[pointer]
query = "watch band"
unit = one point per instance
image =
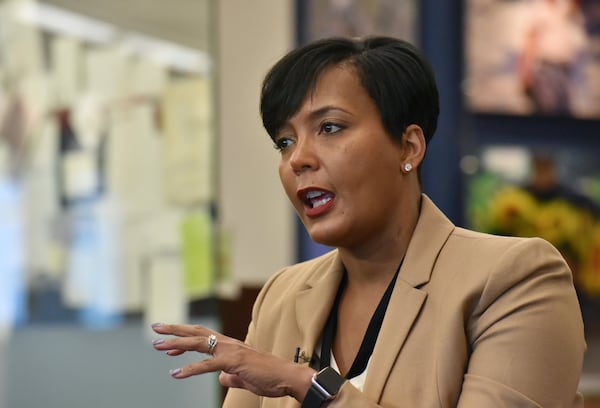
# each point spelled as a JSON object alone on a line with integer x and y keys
{"x": 325, "y": 385}
{"x": 313, "y": 398}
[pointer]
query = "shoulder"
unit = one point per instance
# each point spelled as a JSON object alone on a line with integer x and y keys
{"x": 274, "y": 320}
{"x": 511, "y": 292}
{"x": 493, "y": 248}
{"x": 482, "y": 263}
{"x": 302, "y": 274}
{"x": 298, "y": 277}
{"x": 491, "y": 265}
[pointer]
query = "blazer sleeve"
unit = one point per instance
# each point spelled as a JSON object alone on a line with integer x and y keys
{"x": 526, "y": 333}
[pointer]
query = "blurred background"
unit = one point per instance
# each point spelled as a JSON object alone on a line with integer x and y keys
{"x": 137, "y": 184}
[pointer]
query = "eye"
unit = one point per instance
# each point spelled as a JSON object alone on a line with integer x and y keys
{"x": 330, "y": 128}
{"x": 283, "y": 143}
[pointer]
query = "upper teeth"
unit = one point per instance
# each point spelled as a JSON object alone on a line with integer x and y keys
{"x": 312, "y": 194}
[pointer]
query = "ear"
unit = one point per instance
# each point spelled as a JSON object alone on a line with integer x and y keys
{"x": 413, "y": 146}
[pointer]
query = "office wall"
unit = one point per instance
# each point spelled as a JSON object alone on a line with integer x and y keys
{"x": 254, "y": 209}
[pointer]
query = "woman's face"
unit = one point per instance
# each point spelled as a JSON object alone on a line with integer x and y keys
{"x": 339, "y": 167}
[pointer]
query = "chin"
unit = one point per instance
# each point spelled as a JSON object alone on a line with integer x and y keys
{"x": 327, "y": 238}
{"x": 327, "y": 230}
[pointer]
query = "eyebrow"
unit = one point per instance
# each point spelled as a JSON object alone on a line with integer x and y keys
{"x": 325, "y": 110}
{"x": 316, "y": 114}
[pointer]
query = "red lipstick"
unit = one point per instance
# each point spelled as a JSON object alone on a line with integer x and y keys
{"x": 316, "y": 201}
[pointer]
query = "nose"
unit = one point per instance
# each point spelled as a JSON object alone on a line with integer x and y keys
{"x": 304, "y": 155}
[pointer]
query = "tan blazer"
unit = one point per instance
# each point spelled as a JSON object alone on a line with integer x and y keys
{"x": 475, "y": 320}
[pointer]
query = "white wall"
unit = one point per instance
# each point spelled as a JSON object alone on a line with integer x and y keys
{"x": 252, "y": 35}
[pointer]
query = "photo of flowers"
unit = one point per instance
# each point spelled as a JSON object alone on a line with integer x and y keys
{"x": 554, "y": 195}
{"x": 533, "y": 57}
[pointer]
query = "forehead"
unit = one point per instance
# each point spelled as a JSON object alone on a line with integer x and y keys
{"x": 338, "y": 86}
{"x": 336, "y": 79}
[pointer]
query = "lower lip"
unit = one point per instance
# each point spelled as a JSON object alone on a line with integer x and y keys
{"x": 320, "y": 210}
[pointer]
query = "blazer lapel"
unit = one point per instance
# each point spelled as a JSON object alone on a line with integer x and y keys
{"x": 405, "y": 304}
{"x": 430, "y": 235}
{"x": 314, "y": 303}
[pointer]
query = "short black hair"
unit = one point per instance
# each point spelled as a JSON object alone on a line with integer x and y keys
{"x": 395, "y": 74}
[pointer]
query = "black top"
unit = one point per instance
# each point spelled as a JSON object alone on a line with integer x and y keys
{"x": 370, "y": 338}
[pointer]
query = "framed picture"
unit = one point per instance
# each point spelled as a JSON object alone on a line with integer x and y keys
{"x": 356, "y": 18}
{"x": 533, "y": 57}
{"x": 551, "y": 194}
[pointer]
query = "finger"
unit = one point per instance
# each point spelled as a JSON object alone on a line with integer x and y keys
{"x": 198, "y": 343}
{"x": 230, "y": 380}
{"x": 169, "y": 352}
{"x": 181, "y": 330}
{"x": 174, "y": 353}
{"x": 199, "y": 367}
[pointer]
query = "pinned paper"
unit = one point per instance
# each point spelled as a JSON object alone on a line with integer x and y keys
{"x": 21, "y": 42}
{"x": 67, "y": 72}
{"x": 148, "y": 78}
{"x": 165, "y": 299}
{"x": 107, "y": 73}
{"x": 12, "y": 257}
{"x": 198, "y": 254}
{"x": 189, "y": 141}
{"x": 133, "y": 160}
{"x": 41, "y": 204}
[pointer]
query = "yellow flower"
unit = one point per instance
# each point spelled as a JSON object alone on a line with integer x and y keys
{"x": 558, "y": 222}
{"x": 588, "y": 275}
{"x": 573, "y": 230}
{"x": 511, "y": 211}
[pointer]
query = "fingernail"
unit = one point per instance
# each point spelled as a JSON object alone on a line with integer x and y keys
{"x": 174, "y": 372}
{"x": 158, "y": 341}
{"x": 156, "y": 325}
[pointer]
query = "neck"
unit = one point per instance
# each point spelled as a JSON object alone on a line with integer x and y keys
{"x": 376, "y": 263}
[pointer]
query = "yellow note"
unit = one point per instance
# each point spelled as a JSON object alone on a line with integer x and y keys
{"x": 198, "y": 254}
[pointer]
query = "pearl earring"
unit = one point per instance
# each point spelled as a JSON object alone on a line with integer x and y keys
{"x": 407, "y": 167}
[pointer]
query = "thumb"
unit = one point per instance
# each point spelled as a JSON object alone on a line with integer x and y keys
{"x": 230, "y": 380}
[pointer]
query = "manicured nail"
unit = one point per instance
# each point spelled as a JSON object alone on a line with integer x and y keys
{"x": 153, "y": 325}
{"x": 174, "y": 372}
{"x": 158, "y": 341}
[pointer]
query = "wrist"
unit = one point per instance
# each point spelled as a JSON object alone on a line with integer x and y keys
{"x": 323, "y": 389}
{"x": 301, "y": 380}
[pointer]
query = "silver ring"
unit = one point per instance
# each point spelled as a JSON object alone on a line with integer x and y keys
{"x": 212, "y": 343}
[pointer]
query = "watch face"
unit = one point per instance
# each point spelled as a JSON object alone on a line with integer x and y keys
{"x": 330, "y": 380}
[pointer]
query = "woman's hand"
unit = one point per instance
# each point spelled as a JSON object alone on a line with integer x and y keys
{"x": 241, "y": 366}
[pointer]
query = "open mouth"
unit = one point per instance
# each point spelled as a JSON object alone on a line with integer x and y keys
{"x": 316, "y": 198}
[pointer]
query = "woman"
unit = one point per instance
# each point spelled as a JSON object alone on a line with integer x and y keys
{"x": 408, "y": 310}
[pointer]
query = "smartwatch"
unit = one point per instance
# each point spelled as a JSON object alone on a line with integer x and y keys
{"x": 324, "y": 386}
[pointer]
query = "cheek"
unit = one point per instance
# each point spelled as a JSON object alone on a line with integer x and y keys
{"x": 371, "y": 177}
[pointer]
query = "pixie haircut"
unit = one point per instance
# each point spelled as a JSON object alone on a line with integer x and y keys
{"x": 394, "y": 73}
